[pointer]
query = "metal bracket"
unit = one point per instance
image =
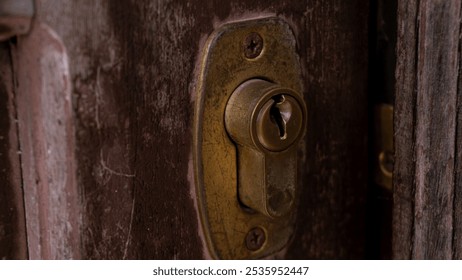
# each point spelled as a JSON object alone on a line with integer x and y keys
{"x": 235, "y": 53}
{"x": 384, "y": 151}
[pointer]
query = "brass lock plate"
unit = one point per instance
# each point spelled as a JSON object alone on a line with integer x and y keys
{"x": 237, "y": 52}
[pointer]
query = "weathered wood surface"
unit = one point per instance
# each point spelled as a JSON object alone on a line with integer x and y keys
{"x": 333, "y": 44}
{"x": 13, "y": 243}
{"x": 46, "y": 140}
{"x": 132, "y": 69}
{"x": 427, "y": 195}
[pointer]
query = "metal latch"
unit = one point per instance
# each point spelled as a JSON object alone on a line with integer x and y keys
{"x": 15, "y": 17}
{"x": 384, "y": 150}
{"x": 250, "y": 116}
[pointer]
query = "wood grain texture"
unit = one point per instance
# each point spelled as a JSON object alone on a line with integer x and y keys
{"x": 133, "y": 62}
{"x": 333, "y": 47}
{"x": 425, "y": 129}
{"x": 132, "y": 68}
{"x": 457, "y": 222}
{"x": 405, "y": 101}
{"x": 46, "y": 140}
{"x": 13, "y": 243}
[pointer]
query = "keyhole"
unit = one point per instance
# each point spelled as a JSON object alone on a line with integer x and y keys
{"x": 253, "y": 46}
{"x": 276, "y": 116}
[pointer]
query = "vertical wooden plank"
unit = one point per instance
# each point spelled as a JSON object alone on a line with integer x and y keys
{"x": 334, "y": 45}
{"x": 438, "y": 68}
{"x": 405, "y": 102}
{"x": 425, "y": 128}
{"x": 457, "y": 222}
{"x": 13, "y": 243}
{"x": 132, "y": 67}
{"x": 46, "y": 139}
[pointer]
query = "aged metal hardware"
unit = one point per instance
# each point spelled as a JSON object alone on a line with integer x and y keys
{"x": 255, "y": 57}
{"x": 265, "y": 121}
{"x": 384, "y": 146}
{"x": 15, "y": 17}
{"x": 253, "y": 45}
{"x": 255, "y": 239}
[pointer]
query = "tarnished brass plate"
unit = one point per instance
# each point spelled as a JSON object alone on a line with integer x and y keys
{"x": 233, "y": 232}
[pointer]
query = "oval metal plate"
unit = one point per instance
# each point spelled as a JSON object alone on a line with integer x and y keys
{"x": 224, "y": 66}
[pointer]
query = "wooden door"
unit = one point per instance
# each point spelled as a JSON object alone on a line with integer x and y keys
{"x": 96, "y": 138}
{"x": 427, "y": 196}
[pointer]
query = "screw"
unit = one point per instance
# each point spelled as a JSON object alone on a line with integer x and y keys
{"x": 255, "y": 239}
{"x": 253, "y": 45}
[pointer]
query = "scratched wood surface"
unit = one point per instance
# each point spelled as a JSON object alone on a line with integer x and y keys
{"x": 132, "y": 67}
{"x": 45, "y": 125}
{"x": 427, "y": 196}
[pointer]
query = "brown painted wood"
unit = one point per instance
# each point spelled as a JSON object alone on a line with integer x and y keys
{"x": 333, "y": 48}
{"x": 426, "y": 196}
{"x": 132, "y": 70}
{"x": 13, "y": 243}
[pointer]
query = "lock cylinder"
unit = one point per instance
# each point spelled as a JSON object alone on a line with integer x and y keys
{"x": 266, "y": 122}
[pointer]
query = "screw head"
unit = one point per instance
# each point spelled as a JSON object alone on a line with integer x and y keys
{"x": 255, "y": 239}
{"x": 253, "y": 45}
